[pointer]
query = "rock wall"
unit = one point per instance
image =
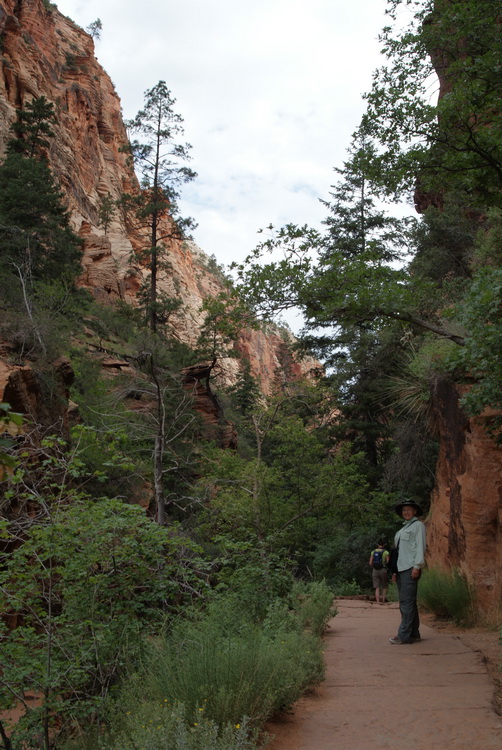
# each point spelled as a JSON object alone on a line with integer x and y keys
{"x": 465, "y": 521}
{"x": 45, "y": 53}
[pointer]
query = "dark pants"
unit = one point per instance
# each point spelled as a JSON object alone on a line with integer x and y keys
{"x": 410, "y": 622}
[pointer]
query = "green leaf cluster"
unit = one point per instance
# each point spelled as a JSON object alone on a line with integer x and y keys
{"x": 84, "y": 589}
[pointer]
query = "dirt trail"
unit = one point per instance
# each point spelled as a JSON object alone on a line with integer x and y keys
{"x": 431, "y": 695}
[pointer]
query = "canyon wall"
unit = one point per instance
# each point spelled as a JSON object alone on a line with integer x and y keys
{"x": 465, "y": 521}
{"x": 45, "y": 53}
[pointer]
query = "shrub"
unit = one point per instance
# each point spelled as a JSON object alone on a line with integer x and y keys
{"x": 86, "y": 587}
{"x": 162, "y": 726}
{"x": 313, "y": 605}
{"x": 346, "y": 588}
{"x": 221, "y": 667}
{"x": 447, "y": 594}
{"x": 251, "y": 672}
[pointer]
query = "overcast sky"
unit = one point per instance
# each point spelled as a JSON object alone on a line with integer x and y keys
{"x": 270, "y": 91}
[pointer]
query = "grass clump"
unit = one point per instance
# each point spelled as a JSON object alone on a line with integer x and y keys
{"x": 448, "y": 595}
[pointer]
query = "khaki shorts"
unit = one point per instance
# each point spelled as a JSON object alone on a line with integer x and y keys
{"x": 380, "y": 578}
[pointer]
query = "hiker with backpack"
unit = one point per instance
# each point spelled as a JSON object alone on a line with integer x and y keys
{"x": 379, "y": 575}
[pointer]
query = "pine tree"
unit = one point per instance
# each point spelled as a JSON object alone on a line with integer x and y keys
{"x": 158, "y": 159}
{"x": 37, "y": 244}
{"x": 35, "y": 231}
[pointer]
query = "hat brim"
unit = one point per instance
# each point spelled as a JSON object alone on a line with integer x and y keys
{"x": 399, "y": 508}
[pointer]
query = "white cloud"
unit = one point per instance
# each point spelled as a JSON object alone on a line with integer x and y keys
{"x": 270, "y": 91}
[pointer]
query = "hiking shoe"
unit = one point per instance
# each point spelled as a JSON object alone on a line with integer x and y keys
{"x": 396, "y": 640}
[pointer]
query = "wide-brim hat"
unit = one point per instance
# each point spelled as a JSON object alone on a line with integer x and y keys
{"x": 399, "y": 507}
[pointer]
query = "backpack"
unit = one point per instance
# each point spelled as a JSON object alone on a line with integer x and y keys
{"x": 378, "y": 559}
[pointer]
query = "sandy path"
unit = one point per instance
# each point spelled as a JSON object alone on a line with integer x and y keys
{"x": 431, "y": 695}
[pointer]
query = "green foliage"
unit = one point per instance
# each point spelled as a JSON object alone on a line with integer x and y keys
{"x": 217, "y": 675}
{"x": 157, "y": 157}
{"x": 454, "y": 144}
{"x": 160, "y": 726}
{"x": 246, "y": 392}
{"x": 95, "y": 28}
{"x": 106, "y": 211}
{"x": 480, "y": 313}
{"x": 40, "y": 256}
{"x": 341, "y": 557}
{"x": 355, "y": 223}
{"x": 410, "y": 466}
{"x": 36, "y": 237}
{"x": 347, "y": 588}
{"x": 313, "y": 483}
{"x": 409, "y": 391}
{"x": 358, "y": 283}
{"x": 488, "y": 246}
{"x": 312, "y": 604}
{"x": 33, "y": 128}
{"x": 232, "y": 668}
{"x": 77, "y": 585}
{"x": 277, "y": 492}
{"x": 224, "y": 318}
{"x": 115, "y": 325}
{"x": 444, "y": 240}
{"x": 447, "y": 594}
{"x": 249, "y": 575}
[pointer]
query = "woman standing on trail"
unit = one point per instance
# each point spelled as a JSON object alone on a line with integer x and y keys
{"x": 410, "y": 541}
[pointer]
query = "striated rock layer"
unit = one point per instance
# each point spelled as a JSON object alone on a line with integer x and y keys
{"x": 465, "y": 523}
{"x": 45, "y": 53}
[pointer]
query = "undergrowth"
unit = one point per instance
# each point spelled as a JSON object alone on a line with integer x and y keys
{"x": 448, "y": 595}
{"x": 213, "y": 680}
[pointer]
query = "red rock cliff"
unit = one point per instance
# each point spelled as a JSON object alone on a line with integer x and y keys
{"x": 465, "y": 522}
{"x": 45, "y": 53}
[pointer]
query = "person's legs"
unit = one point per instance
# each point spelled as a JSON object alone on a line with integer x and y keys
{"x": 384, "y": 584}
{"x": 376, "y": 585}
{"x": 408, "y": 587}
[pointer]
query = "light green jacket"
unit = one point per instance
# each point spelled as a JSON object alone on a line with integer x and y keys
{"x": 411, "y": 538}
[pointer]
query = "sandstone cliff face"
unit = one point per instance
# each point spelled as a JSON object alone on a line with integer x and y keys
{"x": 465, "y": 523}
{"x": 45, "y": 53}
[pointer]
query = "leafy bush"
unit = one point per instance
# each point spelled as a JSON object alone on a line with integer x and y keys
{"x": 447, "y": 594}
{"x": 163, "y": 726}
{"x": 347, "y": 588}
{"x": 85, "y": 588}
{"x": 221, "y": 668}
{"x": 251, "y": 576}
{"x": 217, "y": 676}
{"x": 312, "y": 605}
